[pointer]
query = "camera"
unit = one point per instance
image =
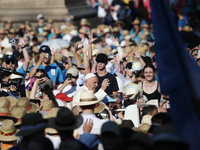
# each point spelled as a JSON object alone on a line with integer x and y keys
{"x": 13, "y": 41}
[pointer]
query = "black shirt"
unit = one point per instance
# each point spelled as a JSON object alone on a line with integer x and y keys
{"x": 113, "y": 86}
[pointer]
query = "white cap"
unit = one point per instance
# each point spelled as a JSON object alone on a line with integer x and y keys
{"x": 40, "y": 16}
{"x": 89, "y": 75}
{"x": 15, "y": 76}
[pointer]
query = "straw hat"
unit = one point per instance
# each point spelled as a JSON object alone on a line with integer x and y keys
{"x": 142, "y": 49}
{"x": 65, "y": 120}
{"x": 29, "y": 106}
{"x": 18, "y": 112}
{"x": 119, "y": 23}
{"x": 82, "y": 31}
{"x": 145, "y": 26}
{"x": 143, "y": 128}
{"x": 127, "y": 49}
{"x": 58, "y": 58}
{"x": 132, "y": 90}
{"x": 8, "y": 131}
{"x": 4, "y": 102}
{"x": 12, "y": 100}
{"x": 88, "y": 98}
{"x": 136, "y": 22}
{"x": 47, "y": 105}
{"x": 187, "y": 28}
{"x": 146, "y": 119}
{"x": 5, "y": 114}
{"x": 136, "y": 65}
{"x": 51, "y": 114}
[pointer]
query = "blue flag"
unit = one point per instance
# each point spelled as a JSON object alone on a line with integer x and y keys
{"x": 179, "y": 74}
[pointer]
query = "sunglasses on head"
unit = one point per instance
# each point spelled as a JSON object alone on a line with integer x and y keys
{"x": 10, "y": 61}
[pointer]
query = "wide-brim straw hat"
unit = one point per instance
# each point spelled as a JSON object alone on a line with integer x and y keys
{"x": 143, "y": 128}
{"x": 132, "y": 90}
{"x": 51, "y": 114}
{"x": 12, "y": 100}
{"x": 119, "y": 22}
{"x": 136, "y": 22}
{"x": 29, "y": 106}
{"x": 4, "y": 102}
{"x": 65, "y": 120}
{"x": 136, "y": 65}
{"x": 47, "y": 105}
{"x": 18, "y": 112}
{"x": 5, "y": 114}
{"x": 8, "y": 131}
{"x": 142, "y": 49}
{"x": 88, "y": 98}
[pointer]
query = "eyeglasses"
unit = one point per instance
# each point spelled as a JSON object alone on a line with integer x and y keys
{"x": 10, "y": 61}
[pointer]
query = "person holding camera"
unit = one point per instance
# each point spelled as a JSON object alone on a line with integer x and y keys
{"x": 53, "y": 71}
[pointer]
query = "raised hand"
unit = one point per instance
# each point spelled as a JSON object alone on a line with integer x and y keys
{"x": 52, "y": 52}
{"x": 64, "y": 52}
{"x": 115, "y": 41}
{"x": 91, "y": 39}
{"x": 41, "y": 57}
{"x": 105, "y": 84}
{"x": 86, "y": 47}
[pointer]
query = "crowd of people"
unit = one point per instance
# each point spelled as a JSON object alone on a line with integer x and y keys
{"x": 100, "y": 91}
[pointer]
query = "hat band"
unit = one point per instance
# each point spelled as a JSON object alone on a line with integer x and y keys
{"x": 31, "y": 127}
{"x": 29, "y": 107}
{"x": 133, "y": 88}
{"x": 7, "y": 133}
{"x": 86, "y": 100}
{"x": 19, "y": 120}
{"x": 45, "y": 109}
{"x": 4, "y": 114}
{"x": 9, "y": 105}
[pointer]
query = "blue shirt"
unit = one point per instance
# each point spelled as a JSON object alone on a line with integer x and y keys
{"x": 54, "y": 73}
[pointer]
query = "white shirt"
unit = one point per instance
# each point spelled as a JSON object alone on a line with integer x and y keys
{"x": 69, "y": 90}
{"x": 55, "y": 141}
{"x": 97, "y": 123}
{"x": 100, "y": 94}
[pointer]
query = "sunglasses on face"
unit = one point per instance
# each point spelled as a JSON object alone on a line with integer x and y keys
{"x": 10, "y": 61}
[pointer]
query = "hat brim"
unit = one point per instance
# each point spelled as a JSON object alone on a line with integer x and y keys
{"x": 98, "y": 109}
{"x": 9, "y": 138}
{"x": 33, "y": 109}
{"x": 78, "y": 122}
{"x": 9, "y": 117}
{"x": 25, "y": 133}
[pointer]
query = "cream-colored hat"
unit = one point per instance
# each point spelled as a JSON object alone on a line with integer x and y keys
{"x": 136, "y": 65}
{"x": 4, "y": 102}
{"x": 142, "y": 49}
{"x": 88, "y": 98}
{"x": 8, "y": 131}
{"x": 12, "y": 100}
{"x": 132, "y": 90}
{"x": 51, "y": 114}
{"x": 146, "y": 119}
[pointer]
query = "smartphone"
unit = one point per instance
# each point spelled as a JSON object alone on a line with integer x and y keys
{"x": 35, "y": 101}
{"x": 69, "y": 75}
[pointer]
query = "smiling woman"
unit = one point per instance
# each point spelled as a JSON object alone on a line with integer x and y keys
{"x": 151, "y": 88}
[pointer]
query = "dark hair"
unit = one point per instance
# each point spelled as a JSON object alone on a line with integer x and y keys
{"x": 151, "y": 49}
{"x": 50, "y": 94}
{"x": 148, "y": 109}
{"x": 43, "y": 142}
{"x": 150, "y": 66}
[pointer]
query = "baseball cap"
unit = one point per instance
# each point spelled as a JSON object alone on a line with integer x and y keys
{"x": 73, "y": 71}
{"x": 11, "y": 58}
{"x": 63, "y": 97}
{"x": 102, "y": 57}
{"x": 45, "y": 49}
